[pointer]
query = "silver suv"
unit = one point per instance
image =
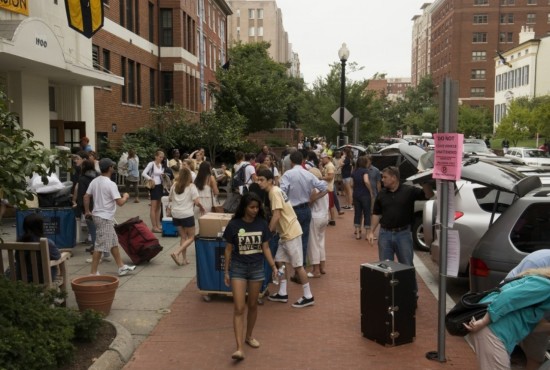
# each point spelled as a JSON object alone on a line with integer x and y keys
{"x": 522, "y": 229}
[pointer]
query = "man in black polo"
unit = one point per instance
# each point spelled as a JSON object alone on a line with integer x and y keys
{"x": 394, "y": 211}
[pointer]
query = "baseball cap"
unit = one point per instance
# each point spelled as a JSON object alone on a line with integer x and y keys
{"x": 105, "y": 163}
{"x": 324, "y": 155}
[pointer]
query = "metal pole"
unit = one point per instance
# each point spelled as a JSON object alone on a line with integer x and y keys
{"x": 342, "y": 103}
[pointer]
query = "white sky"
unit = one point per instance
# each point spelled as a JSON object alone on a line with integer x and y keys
{"x": 377, "y": 33}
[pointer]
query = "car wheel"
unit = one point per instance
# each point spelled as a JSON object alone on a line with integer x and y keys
{"x": 418, "y": 234}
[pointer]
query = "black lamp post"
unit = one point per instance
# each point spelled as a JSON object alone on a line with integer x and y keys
{"x": 343, "y": 54}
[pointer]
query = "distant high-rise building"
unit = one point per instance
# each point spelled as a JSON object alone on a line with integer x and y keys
{"x": 261, "y": 20}
{"x": 390, "y": 88}
{"x": 420, "y": 53}
{"x": 465, "y": 36}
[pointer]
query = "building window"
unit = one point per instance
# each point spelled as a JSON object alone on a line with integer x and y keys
{"x": 479, "y": 55}
{"x": 166, "y": 27}
{"x": 260, "y": 14}
{"x": 51, "y": 98}
{"x": 152, "y": 101}
{"x": 507, "y": 18}
{"x": 251, "y": 31}
{"x": 251, "y": 13}
{"x": 531, "y": 18}
{"x": 507, "y": 2}
{"x": 260, "y": 31}
{"x": 151, "y": 15}
{"x": 506, "y": 37}
{"x": 129, "y": 15}
{"x": 480, "y": 18}
{"x": 479, "y": 37}
{"x": 238, "y": 13}
{"x": 123, "y": 75}
{"x": 548, "y": 21}
{"x": 477, "y": 92}
{"x": 95, "y": 56}
{"x": 478, "y": 74}
{"x": 167, "y": 88}
{"x": 531, "y": 2}
{"x": 106, "y": 54}
{"x": 481, "y": 2}
{"x": 131, "y": 82}
{"x": 525, "y": 73}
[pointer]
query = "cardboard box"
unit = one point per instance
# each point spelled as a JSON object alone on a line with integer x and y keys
{"x": 210, "y": 224}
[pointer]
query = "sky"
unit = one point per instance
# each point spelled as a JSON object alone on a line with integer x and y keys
{"x": 377, "y": 34}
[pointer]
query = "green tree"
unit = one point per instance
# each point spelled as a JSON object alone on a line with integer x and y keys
{"x": 515, "y": 125}
{"x": 21, "y": 157}
{"x": 255, "y": 85}
{"x": 474, "y": 121}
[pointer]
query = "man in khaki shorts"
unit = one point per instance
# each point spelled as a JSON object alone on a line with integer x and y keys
{"x": 285, "y": 222}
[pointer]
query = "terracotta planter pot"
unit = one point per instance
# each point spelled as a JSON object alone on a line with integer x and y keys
{"x": 95, "y": 292}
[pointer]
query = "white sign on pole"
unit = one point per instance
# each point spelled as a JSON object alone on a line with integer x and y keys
{"x": 347, "y": 115}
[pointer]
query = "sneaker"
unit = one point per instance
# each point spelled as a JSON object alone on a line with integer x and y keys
{"x": 125, "y": 269}
{"x": 278, "y": 298}
{"x": 304, "y": 302}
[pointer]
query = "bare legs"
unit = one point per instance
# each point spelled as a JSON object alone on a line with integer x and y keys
{"x": 154, "y": 213}
{"x": 240, "y": 301}
{"x": 348, "y": 193}
{"x": 187, "y": 235}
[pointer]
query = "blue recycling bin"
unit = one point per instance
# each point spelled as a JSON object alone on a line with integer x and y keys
{"x": 210, "y": 255}
{"x": 59, "y": 224}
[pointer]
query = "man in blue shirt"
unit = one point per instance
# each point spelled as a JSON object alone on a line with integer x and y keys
{"x": 298, "y": 183}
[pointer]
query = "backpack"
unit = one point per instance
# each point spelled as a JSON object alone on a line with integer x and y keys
{"x": 239, "y": 178}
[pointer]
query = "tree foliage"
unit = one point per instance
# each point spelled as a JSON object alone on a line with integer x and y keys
{"x": 474, "y": 121}
{"x": 515, "y": 125}
{"x": 21, "y": 156}
{"x": 255, "y": 85}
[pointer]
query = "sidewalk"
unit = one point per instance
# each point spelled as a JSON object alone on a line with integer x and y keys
{"x": 172, "y": 326}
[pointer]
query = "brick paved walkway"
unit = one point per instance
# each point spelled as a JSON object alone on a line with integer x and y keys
{"x": 199, "y": 335}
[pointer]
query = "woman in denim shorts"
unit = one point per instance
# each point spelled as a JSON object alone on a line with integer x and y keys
{"x": 247, "y": 236}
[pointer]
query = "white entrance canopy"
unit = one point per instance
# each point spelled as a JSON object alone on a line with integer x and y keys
{"x": 30, "y": 46}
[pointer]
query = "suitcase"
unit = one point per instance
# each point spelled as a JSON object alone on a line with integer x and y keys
{"x": 388, "y": 302}
{"x": 138, "y": 241}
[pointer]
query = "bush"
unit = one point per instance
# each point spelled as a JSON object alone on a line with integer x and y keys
{"x": 34, "y": 332}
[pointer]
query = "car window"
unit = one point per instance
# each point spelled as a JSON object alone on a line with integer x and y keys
{"x": 532, "y": 229}
{"x": 486, "y": 198}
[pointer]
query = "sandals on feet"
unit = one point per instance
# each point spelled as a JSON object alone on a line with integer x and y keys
{"x": 175, "y": 258}
{"x": 238, "y": 355}
{"x": 252, "y": 343}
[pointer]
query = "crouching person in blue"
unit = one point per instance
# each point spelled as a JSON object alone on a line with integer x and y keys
{"x": 513, "y": 313}
{"x": 247, "y": 236}
{"x": 33, "y": 230}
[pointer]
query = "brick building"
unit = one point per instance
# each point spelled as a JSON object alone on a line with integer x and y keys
{"x": 465, "y": 35}
{"x": 391, "y": 88}
{"x": 166, "y": 50}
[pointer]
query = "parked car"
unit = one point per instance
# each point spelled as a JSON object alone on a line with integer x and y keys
{"x": 476, "y": 147}
{"x": 486, "y": 189}
{"x": 522, "y": 229}
{"x": 530, "y": 156}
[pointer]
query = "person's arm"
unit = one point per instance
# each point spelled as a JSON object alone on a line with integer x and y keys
{"x": 121, "y": 201}
{"x": 54, "y": 251}
{"x": 75, "y": 195}
{"x": 428, "y": 190}
{"x": 147, "y": 170}
{"x": 86, "y": 199}
{"x": 227, "y": 254}
{"x": 276, "y": 215}
{"x": 542, "y": 327}
{"x": 214, "y": 185}
{"x": 374, "y": 221}
{"x": 198, "y": 204}
{"x": 366, "y": 180}
{"x": 329, "y": 177}
{"x": 476, "y": 325}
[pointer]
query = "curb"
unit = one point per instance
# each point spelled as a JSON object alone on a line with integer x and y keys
{"x": 119, "y": 353}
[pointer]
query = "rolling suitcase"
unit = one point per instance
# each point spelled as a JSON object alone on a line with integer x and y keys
{"x": 138, "y": 241}
{"x": 388, "y": 302}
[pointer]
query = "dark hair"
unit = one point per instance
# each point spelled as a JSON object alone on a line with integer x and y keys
{"x": 362, "y": 162}
{"x": 87, "y": 165}
{"x": 296, "y": 157}
{"x": 312, "y": 157}
{"x": 203, "y": 176}
{"x": 131, "y": 153}
{"x": 249, "y": 156}
{"x": 245, "y": 201}
{"x": 33, "y": 227}
{"x": 239, "y": 156}
{"x": 265, "y": 172}
{"x": 392, "y": 171}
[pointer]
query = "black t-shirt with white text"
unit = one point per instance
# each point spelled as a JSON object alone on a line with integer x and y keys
{"x": 247, "y": 239}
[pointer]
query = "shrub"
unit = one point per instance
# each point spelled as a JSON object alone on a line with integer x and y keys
{"x": 34, "y": 332}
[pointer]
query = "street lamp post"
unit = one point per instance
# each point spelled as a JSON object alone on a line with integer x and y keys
{"x": 343, "y": 54}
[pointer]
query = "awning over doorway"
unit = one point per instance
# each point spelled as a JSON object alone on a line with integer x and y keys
{"x": 31, "y": 46}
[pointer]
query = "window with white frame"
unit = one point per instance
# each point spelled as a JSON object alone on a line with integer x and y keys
{"x": 260, "y": 14}
{"x": 481, "y": 2}
{"x": 251, "y": 13}
{"x": 480, "y": 18}
{"x": 251, "y": 31}
{"x": 478, "y": 74}
{"x": 479, "y": 37}
{"x": 531, "y": 18}
{"x": 477, "y": 92}
{"x": 260, "y": 31}
{"x": 531, "y": 2}
{"x": 479, "y": 56}
{"x": 238, "y": 13}
{"x": 507, "y": 18}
